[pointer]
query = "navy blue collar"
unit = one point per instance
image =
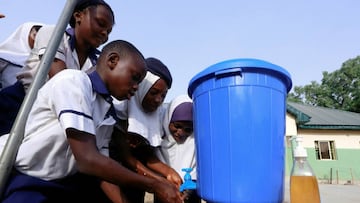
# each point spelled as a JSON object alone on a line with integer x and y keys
{"x": 98, "y": 85}
{"x": 93, "y": 55}
{"x": 100, "y": 88}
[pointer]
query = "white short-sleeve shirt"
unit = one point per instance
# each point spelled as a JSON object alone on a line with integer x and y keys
{"x": 65, "y": 52}
{"x": 71, "y": 99}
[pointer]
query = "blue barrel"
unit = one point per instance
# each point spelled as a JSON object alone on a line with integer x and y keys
{"x": 239, "y": 126}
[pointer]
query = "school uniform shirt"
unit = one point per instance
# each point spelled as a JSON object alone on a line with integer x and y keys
{"x": 65, "y": 52}
{"x": 13, "y": 53}
{"x": 178, "y": 156}
{"x": 146, "y": 124}
{"x": 71, "y": 99}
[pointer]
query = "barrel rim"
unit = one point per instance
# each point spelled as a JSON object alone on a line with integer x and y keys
{"x": 246, "y": 64}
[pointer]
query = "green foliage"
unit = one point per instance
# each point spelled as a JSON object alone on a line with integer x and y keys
{"x": 339, "y": 89}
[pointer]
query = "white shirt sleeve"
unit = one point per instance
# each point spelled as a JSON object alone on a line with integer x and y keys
{"x": 42, "y": 41}
{"x": 72, "y": 102}
{"x": 27, "y": 75}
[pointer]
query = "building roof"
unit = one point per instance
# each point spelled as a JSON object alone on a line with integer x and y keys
{"x": 315, "y": 117}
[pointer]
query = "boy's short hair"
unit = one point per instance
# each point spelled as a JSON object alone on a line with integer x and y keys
{"x": 122, "y": 47}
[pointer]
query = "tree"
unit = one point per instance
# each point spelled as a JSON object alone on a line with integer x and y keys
{"x": 339, "y": 89}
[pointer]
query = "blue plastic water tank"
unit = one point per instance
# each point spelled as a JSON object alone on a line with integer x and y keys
{"x": 239, "y": 126}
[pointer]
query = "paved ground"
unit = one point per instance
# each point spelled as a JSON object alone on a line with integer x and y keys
{"x": 328, "y": 193}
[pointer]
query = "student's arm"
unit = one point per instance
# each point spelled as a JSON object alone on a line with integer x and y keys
{"x": 90, "y": 161}
{"x": 137, "y": 166}
{"x": 120, "y": 151}
{"x": 113, "y": 192}
{"x": 142, "y": 148}
{"x": 124, "y": 155}
{"x": 41, "y": 43}
{"x": 155, "y": 164}
{"x": 57, "y": 66}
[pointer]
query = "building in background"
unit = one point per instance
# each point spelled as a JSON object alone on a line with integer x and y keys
{"x": 331, "y": 138}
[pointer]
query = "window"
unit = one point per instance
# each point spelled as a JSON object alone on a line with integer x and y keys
{"x": 325, "y": 150}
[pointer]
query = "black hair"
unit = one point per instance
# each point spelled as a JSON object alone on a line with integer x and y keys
{"x": 124, "y": 48}
{"x": 36, "y": 27}
{"x": 83, "y": 4}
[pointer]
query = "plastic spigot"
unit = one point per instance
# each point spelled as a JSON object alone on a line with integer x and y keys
{"x": 188, "y": 183}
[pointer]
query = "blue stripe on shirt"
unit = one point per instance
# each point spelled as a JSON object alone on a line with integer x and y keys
{"x": 75, "y": 112}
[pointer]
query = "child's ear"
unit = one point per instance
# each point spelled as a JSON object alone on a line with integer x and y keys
{"x": 113, "y": 59}
{"x": 78, "y": 17}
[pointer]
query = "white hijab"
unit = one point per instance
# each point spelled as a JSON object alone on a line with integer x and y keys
{"x": 146, "y": 124}
{"x": 178, "y": 156}
{"x": 15, "y": 48}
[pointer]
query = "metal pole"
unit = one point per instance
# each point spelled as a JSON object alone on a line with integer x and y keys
{"x": 16, "y": 136}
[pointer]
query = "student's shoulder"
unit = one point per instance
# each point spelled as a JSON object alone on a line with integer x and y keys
{"x": 45, "y": 32}
{"x": 71, "y": 73}
{"x": 46, "y": 28}
{"x": 70, "y": 77}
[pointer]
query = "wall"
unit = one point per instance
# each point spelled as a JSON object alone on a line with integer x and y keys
{"x": 346, "y": 168}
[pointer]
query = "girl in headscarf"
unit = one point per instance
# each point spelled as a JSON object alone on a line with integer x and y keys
{"x": 143, "y": 131}
{"x": 178, "y": 147}
{"x": 15, "y": 50}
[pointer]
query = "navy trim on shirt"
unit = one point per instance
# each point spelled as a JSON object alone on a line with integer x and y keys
{"x": 75, "y": 112}
{"x": 93, "y": 55}
{"x": 100, "y": 88}
{"x": 98, "y": 85}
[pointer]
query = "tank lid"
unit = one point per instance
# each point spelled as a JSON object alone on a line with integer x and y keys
{"x": 244, "y": 64}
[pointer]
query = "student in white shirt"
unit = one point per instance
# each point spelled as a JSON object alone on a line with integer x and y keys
{"x": 64, "y": 154}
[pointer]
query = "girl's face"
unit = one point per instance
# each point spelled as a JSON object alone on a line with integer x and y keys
{"x": 93, "y": 26}
{"x": 155, "y": 96}
{"x": 181, "y": 130}
{"x": 31, "y": 37}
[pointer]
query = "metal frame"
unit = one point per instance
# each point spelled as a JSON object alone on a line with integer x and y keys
{"x": 16, "y": 135}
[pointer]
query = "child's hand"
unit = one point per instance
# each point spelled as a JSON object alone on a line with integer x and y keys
{"x": 186, "y": 194}
{"x": 167, "y": 192}
{"x": 174, "y": 178}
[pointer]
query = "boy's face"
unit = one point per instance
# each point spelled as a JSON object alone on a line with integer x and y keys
{"x": 125, "y": 77}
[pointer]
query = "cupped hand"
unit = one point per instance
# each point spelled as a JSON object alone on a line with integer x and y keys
{"x": 168, "y": 193}
{"x": 175, "y": 179}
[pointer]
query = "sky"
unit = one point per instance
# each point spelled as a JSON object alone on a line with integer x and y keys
{"x": 303, "y": 37}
